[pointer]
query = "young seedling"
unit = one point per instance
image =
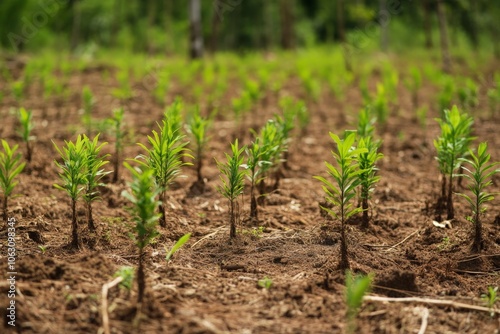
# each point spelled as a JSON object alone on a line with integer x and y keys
{"x": 254, "y": 166}
{"x": 413, "y": 84}
{"x": 479, "y": 174}
{"x": 380, "y": 106}
{"x": 233, "y": 182}
{"x": 143, "y": 193}
{"x": 165, "y": 158}
{"x": 10, "y": 167}
{"x": 356, "y": 288}
{"x": 26, "y": 121}
{"x": 367, "y": 162}
{"x": 452, "y": 145}
{"x": 491, "y": 298}
{"x": 88, "y": 102}
{"x": 73, "y": 175}
{"x": 94, "y": 164}
{"x": 265, "y": 283}
{"x": 197, "y": 127}
{"x": 119, "y": 134}
{"x": 340, "y": 192}
{"x": 468, "y": 94}
{"x": 445, "y": 96}
{"x": 185, "y": 238}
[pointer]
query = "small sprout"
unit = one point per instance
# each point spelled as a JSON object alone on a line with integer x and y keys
{"x": 340, "y": 192}
{"x": 142, "y": 195}
{"x": 452, "y": 146}
{"x": 197, "y": 127}
{"x": 127, "y": 275}
{"x": 10, "y": 167}
{"x": 74, "y": 177}
{"x": 94, "y": 163}
{"x": 490, "y": 298}
{"x": 42, "y": 248}
{"x": 164, "y": 157}
{"x": 119, "y": 134}
{"x": 26, "y": 121}
{"x": 233, "y": 182}
{"x": 265, "y": 283}
{"x": 177, "y": 245}
{"x": 88, "y": 102}
{"x": 356, "y": 288}
{"x": 479, "y": 175}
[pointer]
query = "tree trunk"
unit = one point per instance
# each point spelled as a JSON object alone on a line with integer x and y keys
{"x": 340, "y": 20}
{"x": 90, "y": 218}
{"x": 443, "y": 33}
{"x": 196, "y": 34}
{"x": 75, "y": 244}
{"x": 427, "y": 24}
{"x": 449, "y": 204}
{"x": 286, "y": 24}
{"x": 214, "y": 38}
{"x": 141, "y": 279}
{"x": 75, "y": 32}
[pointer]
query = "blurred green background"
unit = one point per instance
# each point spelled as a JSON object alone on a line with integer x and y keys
{"x": 166, "y": 26}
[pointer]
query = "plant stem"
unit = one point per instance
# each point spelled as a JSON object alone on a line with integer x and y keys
{"x": 74, "y": 226}
{"x": 449, "y": 205}
{"x": 90, "y": 219}
{"x": 366, "y": 218}
{"x": 116, "y": 166}
{"x": 141, "y": 280}
{"x": 344, "y": 260}
{"x": 253, "y": 204}
{"x": 161, "y": 210}
{"x": 232, "y": 219}
{"x": 5, "y": 216}
{"x": 478, "y": 237}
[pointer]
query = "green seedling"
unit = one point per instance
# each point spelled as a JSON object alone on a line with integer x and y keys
{"x": 468, "y": 95}
{"x": 26, "y": 121}
{"x": 10, "y": 167}
{"x": 265, "y": 283}
{"x": 161, "y": 89}
{"x": 413, "y": 84}
{"x": 366, "y": 122}
{"x": 479, "y": 174}
{"x": 491, "y": 298}
{"x": 422, "y": 116}
{"x": 233, "y": 183}
{"x": 88, "y": 102}
{"x": 73, "y": 175}
{"x": 174, "y": 114}
{"x": 177, "y": 246}
{"x": 380, "y": 106}
{"x": 356, "y": 288}
{"x": 142, "y": 195}
{"x": 94, "y": 164}
{"x": 168, "y": 148}
{"x": 124, "y": 91}
{"x": 445, "y": 95}
{"x": 18, "y": 91}
{"x": 254, "y": 166}
{"x": 119, "y": 135}
{"x": 341, "y": 191}
{"x": 127, "y": 275}
{"x": 367, "y": 162}
{"x": 42, "y": 248}
{"x": 197, "y": 127}
{"x": 452, "y": 145}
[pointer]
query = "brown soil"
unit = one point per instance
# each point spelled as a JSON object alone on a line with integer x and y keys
{"x": 211, "y": 286}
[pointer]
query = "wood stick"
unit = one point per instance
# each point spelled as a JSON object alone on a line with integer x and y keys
{"x": 104, "y": 302}
{"x": 440, "y": 302}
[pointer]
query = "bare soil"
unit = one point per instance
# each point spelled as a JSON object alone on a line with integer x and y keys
{"x": 211, "y": 286}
